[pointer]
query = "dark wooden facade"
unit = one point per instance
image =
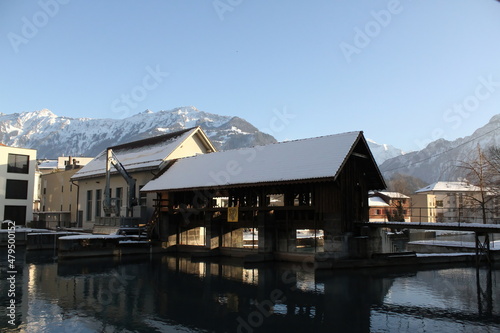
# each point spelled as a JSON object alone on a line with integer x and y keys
{"x": 327, "y": 208}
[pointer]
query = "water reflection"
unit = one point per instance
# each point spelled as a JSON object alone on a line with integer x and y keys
{"x": 165, "y": 294}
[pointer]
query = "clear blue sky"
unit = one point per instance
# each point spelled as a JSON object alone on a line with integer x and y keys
{"x": 405, "y": 72}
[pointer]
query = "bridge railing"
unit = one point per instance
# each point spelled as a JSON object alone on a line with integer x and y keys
{"x": 435, "y": 214}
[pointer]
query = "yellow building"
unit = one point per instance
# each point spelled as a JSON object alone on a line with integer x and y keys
{"x": 423, "y": 207}
{"x": 58, "y": 198}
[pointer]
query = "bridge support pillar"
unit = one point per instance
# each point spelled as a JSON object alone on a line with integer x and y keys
{"x": 482, "y": 246}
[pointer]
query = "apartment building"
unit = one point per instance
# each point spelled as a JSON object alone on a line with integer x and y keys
{"x": 17, "y": 183}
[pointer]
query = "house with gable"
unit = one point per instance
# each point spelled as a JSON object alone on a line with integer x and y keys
{"x": 378, "y": 208}
{"x": 142, "y": 160}
{"x": 389, "y": 206}
{"x": 279, "y": 200}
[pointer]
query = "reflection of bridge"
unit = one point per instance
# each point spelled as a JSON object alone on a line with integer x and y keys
{"x": 481, "y": 231}
{"x": 485, "y": 305}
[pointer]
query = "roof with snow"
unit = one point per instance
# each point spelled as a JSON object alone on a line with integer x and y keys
{"x": 48, "y": 164}
{"x": 317, "y": 158}
{"x": 394, "y": 195}
{"x": 139, "y": 155}
{"x": 377, "y": 202}
{"x": 449, "y": 187}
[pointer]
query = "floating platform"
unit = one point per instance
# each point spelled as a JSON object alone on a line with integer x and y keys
{"x": 46, "y": 240}
{"x": 90, "y": 245}
{"x": 21, "y": 235}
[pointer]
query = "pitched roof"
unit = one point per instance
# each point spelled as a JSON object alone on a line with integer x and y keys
{"x": 48, "y": 164}
{"x": 315, "y": 158}
{"x": 449, "y": 187}
{"x": 377, "y": 202}
{"x": 138, "y": 155}
{"x": 394, "y": 195}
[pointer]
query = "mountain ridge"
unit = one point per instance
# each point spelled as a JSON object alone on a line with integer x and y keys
{"x": 440, "y": 160}
{"x": 54, "y": 135}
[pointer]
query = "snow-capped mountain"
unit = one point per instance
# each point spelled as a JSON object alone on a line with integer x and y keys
{"x": 54, "y": 136}
{"x": 383, "y": 152}
{"x": 441, "y": 159}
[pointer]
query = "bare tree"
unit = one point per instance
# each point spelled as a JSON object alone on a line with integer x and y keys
{"x": 482, "y": 170}
{"x": 396, "y": 212}
{"x": 404, "y": 184}
{"x": 493, "y": 158}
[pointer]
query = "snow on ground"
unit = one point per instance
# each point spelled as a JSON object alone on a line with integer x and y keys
{"x": 493, "y": 244}
{"x": 91, "y": 236}
{"x": 421, "y": 255}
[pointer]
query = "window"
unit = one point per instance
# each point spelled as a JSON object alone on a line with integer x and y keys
{"x": 142, "y": 197}
{"x": 439, "y": 203}
{"x": 16, "y": 214}
{"x": 16, "y": 189}
{"x": 89, "y": 205}
{"x": 119, "y": 197}
{"x": 18, "y": 163}
{"x": 98, "y": 198}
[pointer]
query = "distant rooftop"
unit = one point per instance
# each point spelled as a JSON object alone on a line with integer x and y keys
{"x": 377, "y": 202}
{"x": 449, "y": 187}
{"x": 394, "y": 195}
{"x": 48, "y": 164}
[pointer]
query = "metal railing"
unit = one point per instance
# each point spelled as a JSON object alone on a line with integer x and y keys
{"x": 440, "y": 214}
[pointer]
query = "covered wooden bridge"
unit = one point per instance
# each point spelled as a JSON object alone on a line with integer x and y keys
{"x": 277, "y": 200}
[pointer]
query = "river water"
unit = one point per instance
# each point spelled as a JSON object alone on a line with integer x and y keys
{"x": 169, "y": 294}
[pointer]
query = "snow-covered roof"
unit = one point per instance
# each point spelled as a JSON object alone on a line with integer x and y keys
{"x": 144, "y": 154}
{"x": 320, "y": 157}
{"x": 93, "y": 236}
{"x": 377, "y": 202}
{"x": 48, "y": 164}
{"x": 394, "y": 195}
{"x": 449, "y": 187}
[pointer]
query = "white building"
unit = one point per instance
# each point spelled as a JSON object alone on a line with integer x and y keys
{"x": 459, "y": 202}
{"x": 17, "y": 183}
